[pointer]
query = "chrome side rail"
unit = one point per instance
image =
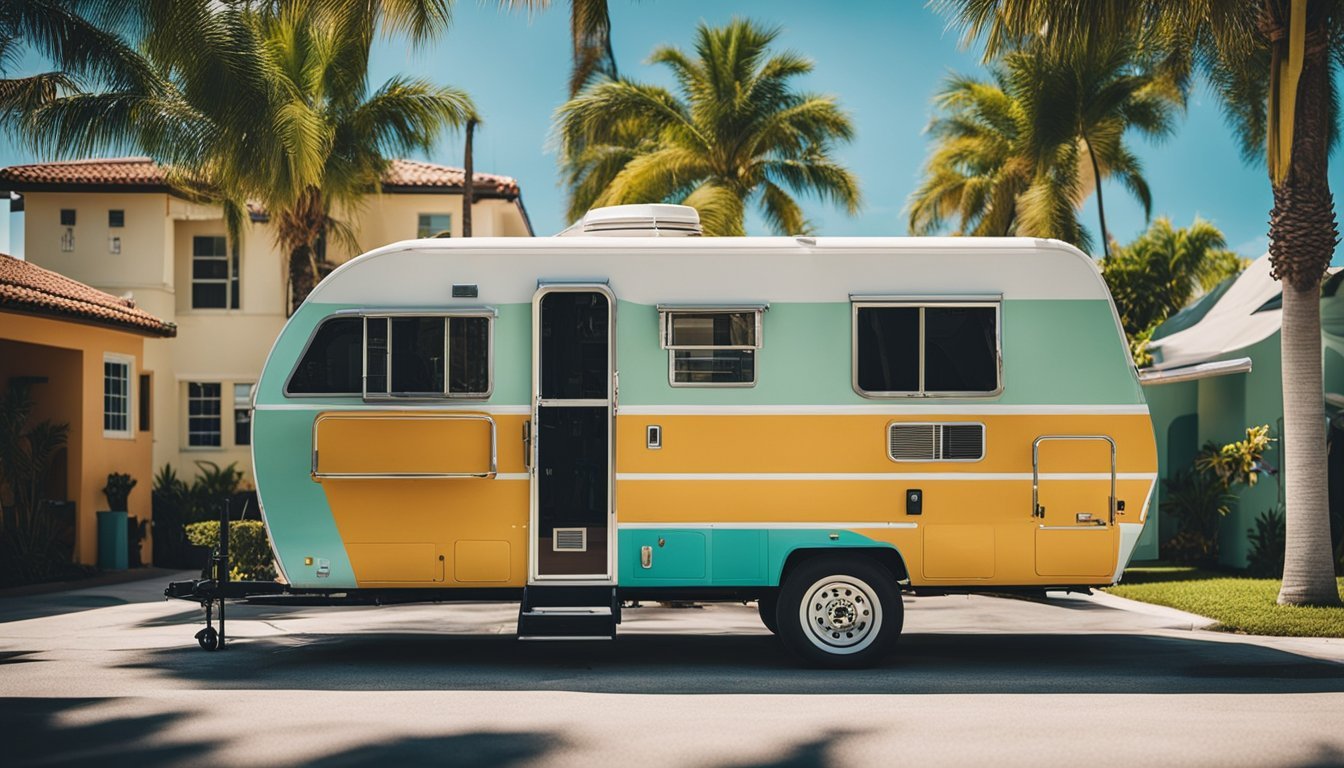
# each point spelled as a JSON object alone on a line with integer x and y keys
{"x": 490, "y": 474}
{"x": 1036, "y": 510}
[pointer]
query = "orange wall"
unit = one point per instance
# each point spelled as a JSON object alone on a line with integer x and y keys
{"x": 70, "y": 355}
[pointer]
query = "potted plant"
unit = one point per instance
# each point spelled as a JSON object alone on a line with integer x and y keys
{"x": 115, "y": 524}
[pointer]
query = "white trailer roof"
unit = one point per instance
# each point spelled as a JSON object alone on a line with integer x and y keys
{"x": 716, "y": 269}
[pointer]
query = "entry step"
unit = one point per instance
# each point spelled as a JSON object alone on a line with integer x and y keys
{"x": 568, "y": 613}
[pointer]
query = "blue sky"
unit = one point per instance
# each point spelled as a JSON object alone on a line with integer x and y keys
{"x": 882, "y": 59}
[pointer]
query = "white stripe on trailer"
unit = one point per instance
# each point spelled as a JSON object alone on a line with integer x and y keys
{"x": 852, "y": 476}
{"x": 921, "y": 409}
{"x": 762, "y": 526}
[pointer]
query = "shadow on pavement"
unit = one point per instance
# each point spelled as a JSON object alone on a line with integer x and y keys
{"x": 648, "y": 663}
{"x": 42, "y": 734}
{"x": 60, "y": 731}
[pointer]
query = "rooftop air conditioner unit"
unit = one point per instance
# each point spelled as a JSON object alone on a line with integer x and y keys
{"x": 642, "y": 220}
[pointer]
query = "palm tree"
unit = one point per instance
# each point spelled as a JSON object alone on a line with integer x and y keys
{"x": 267, "y": 103}
{"x": 1020, "y": 154}
{"x": 334, "y": 138}
{"x": 735, "y": 133}
{"x": 1273, "y": 65}
{"x": 1163, "y": 269}
{"x": 979, "y": 166}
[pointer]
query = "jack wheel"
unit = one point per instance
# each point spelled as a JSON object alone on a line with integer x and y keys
{"x": 208, "y": 638}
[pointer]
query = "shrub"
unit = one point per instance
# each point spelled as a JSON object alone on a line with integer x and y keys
{"x": 249, "y": 549}
{"x": 1200, "y": 496}
{"x": 213, "y": 487}
{"x": 30, "y": 548}
{"x": 1269, "y": 538}
{"x": 118, "y": 491}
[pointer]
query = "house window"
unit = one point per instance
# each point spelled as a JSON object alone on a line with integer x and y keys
{"x": 116, "y": 396}
{"x": 214, "y": 273}
{"x": 116, "y": 218}
{"x": 203, "y": 414}
{"x": 908, "y": 349}
{"x": 146, "y": 400}
{"x": 67, "y": 217}
{"x": 242, "y": 414}
{"x": 435, "y": 225}
{"x": 711, "y": 347}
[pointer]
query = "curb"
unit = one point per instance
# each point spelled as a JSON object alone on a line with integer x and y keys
{"x": 1181, "y": 619}
{"x": 105, "y": 579}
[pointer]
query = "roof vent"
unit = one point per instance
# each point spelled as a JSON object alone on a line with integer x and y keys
{"x": 643, "y": 220}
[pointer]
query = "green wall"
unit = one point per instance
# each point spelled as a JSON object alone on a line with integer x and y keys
{"x": 1218, "y": 410}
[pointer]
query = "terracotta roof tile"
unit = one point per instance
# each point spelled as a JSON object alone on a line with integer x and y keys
{"x": 26, "y": 287}
{"x": 143, "y": 173}
{"x": 120, "y": 171}
{"x": 416, "y": 173}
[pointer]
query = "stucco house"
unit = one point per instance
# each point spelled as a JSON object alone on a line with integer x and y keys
{"x": 119, "y": 226}
{"x": 82, "y": 354}
{"x": 1217, "y": 370}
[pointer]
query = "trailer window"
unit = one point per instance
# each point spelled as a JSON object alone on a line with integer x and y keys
{"x": 427, "y": 356}
{"x": 918, "y": 350}
{"x": 711, "y": 347}
{"x": 331, "y": 363}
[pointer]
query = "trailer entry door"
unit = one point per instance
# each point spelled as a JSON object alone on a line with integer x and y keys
{"x": 571, "y": 446}
{"x": 1073, "y": 497}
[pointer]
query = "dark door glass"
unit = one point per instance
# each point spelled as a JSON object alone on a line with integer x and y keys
{"x": 574, "y": 363}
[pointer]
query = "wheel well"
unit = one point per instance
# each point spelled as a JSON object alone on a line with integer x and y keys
{"x": 887, "y": 557}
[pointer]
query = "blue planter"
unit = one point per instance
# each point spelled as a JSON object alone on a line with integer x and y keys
{"x": 112, "y": 546}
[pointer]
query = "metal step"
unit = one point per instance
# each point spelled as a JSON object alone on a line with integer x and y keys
{"x": 568, "y": 613}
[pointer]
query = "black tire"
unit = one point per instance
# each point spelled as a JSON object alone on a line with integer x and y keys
{"x": 839, "y": 613}
{"x": 768, "y": 607}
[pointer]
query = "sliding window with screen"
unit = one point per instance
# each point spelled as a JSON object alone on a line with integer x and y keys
{"x": 926, "y": 348}
{"x": 710, "y": 346}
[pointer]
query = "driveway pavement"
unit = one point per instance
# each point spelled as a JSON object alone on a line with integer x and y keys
{"x": 114, "y": 676}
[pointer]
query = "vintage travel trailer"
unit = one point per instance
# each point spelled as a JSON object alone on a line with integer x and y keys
{"x": 628, "y": 411}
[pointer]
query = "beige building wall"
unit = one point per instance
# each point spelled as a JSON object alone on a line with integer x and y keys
{"x": 217, "y": 346}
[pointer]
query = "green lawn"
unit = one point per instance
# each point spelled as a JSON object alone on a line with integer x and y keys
{"x": 1238, "y": 604}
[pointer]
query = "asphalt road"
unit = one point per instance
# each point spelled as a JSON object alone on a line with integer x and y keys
{"x": 112, "y": 676}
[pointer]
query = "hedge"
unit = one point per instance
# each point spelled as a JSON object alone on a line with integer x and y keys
{"x": 249, "y": 549}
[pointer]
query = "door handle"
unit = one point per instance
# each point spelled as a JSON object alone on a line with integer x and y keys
{"x": 527, "y": 445}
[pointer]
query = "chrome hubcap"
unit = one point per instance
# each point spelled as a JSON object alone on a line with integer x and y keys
{"x": 841, "y": 614}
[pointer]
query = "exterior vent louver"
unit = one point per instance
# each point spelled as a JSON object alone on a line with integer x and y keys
{"x": 569, "y": 540}
{"x": 936, "y": 442}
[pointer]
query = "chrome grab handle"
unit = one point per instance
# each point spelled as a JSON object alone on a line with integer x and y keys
{"x": 527, "y": 445}
{"x": 1039, "y": 511}
{"x": 487, "y": 475}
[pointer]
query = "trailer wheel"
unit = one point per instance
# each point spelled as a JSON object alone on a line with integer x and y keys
{"x": 208, "y": 638}
{"x": 839, "y": 613}
{"x": 768, "y": 607}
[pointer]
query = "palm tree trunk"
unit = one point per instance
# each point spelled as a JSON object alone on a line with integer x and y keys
{"x": 1302, "y": 237}
{"x": 302, "y": 277}
{"x": 1101, "y": 207}
{"x": 1308, "y": 574}
{"x": 468, "y": 179}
